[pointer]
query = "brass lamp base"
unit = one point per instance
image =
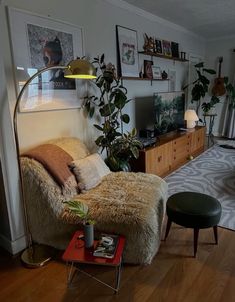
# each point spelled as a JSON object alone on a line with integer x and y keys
{"x": 37, "y": 256}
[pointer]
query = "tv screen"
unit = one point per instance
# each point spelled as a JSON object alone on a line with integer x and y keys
{"x": 162, "y": 112}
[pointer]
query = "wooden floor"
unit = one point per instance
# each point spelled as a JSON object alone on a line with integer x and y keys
{"x": 174, "y": 275}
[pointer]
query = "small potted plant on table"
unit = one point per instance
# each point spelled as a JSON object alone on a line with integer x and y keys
{"x": 82, "y": 211}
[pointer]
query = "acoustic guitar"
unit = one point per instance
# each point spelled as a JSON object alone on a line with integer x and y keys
{"x": 219, "y": 88}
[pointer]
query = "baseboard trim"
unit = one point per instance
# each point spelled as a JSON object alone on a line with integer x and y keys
{"x": 13, "y": 247}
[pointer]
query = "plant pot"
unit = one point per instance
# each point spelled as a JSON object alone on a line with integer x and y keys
{"x": 89, "y": 235}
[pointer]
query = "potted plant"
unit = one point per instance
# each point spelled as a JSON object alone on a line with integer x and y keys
{"x": 82, "y": 211}
{"x": 109, "y": 105}
{"x": 201, "y": 88}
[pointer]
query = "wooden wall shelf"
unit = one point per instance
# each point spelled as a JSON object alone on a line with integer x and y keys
{"x": 153, "y": 54}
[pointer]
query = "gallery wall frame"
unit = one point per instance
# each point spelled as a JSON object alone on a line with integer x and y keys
{"x": 127, "y": 52}
{"x": 37, "y": 42}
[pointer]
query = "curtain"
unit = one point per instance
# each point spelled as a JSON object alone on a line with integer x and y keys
{"x": 229, "y": 121}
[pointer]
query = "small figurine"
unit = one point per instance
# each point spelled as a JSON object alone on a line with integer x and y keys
{"x": 164, "y": 75}
{"x": 149, "y": 45}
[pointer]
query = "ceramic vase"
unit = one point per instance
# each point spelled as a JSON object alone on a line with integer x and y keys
{"x": 89, "y": 235}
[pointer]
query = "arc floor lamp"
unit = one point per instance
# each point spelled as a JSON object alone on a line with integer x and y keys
{"x": 38, "y": 255}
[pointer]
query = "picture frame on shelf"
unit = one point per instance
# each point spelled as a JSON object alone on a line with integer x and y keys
{"x": 156, "y": 71}
{"x": 127, "y": 52}
{"x": 148, "y": 72}
{"x": 158, "y": 46}
{"x": 175, "y": 49}
{"x": 166, "y": 47}
{"x": 46, "y": 42}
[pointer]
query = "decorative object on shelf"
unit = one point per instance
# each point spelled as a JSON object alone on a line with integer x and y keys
{"x": 158, "y": 46}
{"x": 120, "y": 146}
{"x": 191, "y": 118}
{"x": 127, "y": 53}
{"x": 46, "y": 43}
{"x": 175, "y": 49}
{"x": 38, "y": 255}
{"x": 148, "y": 73}
{"x": 164, "y": 75}
{"x": 149, "y": 45}
{"x": 81, "y": 210}
{"x": 200, "y": 87}
{"x": 183, "y": 55}
{"x": 156, "y": 71}
{"x": 166, "y": 46}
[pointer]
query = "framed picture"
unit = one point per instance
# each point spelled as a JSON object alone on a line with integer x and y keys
{"x": 127, "y": 52}
{"x": 158, "y": 46}
{"x": 44, "y": 42}
{"x": 166, "y": 46}
{"x": 148, "y": 72}
{"x": 156, "y": 70}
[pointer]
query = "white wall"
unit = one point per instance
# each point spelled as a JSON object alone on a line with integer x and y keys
{"x": 215, "y": 49}
{"x": 98, "y": 19}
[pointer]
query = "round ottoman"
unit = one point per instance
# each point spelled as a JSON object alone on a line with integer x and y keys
{"x": 193, "y": 210}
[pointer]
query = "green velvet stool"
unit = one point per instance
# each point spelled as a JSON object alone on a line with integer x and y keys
{"x": 193, "y": 210}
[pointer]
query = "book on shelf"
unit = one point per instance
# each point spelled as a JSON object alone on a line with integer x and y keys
{"x": 106, "y": 246}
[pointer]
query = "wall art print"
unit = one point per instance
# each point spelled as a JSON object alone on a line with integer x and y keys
{"x": 127, "y": 51}
{"x": 43, "y": 43}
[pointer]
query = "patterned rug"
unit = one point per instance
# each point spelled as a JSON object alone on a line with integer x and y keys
{"x": 212, "y": 173}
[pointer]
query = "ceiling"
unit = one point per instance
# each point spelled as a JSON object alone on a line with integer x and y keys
{"x": 208, "y": 18}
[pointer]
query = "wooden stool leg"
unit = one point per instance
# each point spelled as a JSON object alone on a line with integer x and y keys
{"x": 196, "y": 232}
{"x": 215, "y": 233}
{"x": 168, "y": 226}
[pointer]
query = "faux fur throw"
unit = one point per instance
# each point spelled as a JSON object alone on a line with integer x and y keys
{"x": 55, "y": 160}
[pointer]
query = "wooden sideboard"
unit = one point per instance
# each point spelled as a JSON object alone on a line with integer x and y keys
{"x": 171, "y": 151}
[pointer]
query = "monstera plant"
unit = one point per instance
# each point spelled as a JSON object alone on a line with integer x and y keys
{"x": 109, "y": 105}
{"x": 200, "y": 87}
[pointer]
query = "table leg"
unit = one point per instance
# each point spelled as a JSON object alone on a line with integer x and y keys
{"x": 70, "y": 273}
{"x": 118, "y": 276}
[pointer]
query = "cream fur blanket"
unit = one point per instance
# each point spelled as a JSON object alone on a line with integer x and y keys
{"x": 131, "y": 204}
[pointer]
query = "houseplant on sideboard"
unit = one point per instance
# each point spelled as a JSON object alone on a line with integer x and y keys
{"x": 120, "y": 147}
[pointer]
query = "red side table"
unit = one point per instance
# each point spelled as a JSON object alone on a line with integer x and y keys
{"x": 76, "y": 254}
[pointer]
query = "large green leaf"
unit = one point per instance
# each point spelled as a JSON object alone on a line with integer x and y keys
{"x": 125, "y": 118}
{"x": 107, "y": 109}
{"x": 210, "y": 71}
{"x": 98, "y": 127}
{"x": 91, "y": 112}
{"x": 199, "y": 65}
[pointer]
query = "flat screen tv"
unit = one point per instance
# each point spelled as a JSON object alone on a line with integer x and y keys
{"x": 162, "y": 112}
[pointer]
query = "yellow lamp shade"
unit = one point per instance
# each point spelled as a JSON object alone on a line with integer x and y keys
{"x": 80, "y": 69}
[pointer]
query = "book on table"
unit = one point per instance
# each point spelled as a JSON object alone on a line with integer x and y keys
{"x": 106, "y": 246}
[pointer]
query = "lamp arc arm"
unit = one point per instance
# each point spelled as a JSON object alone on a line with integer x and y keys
{"x": 28, "y": 233}
{"x": 30, "y": 80}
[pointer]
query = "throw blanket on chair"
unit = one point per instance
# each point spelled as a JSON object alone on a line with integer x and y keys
{"x": 55, "y": 160}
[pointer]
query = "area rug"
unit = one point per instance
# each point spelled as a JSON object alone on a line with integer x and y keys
{"x": 212, "y": 173}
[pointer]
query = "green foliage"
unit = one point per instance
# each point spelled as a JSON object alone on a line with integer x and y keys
{"x": 109, "y": 106}
{"x": 201, "y": 87}
{"x": 80, "y": 209}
